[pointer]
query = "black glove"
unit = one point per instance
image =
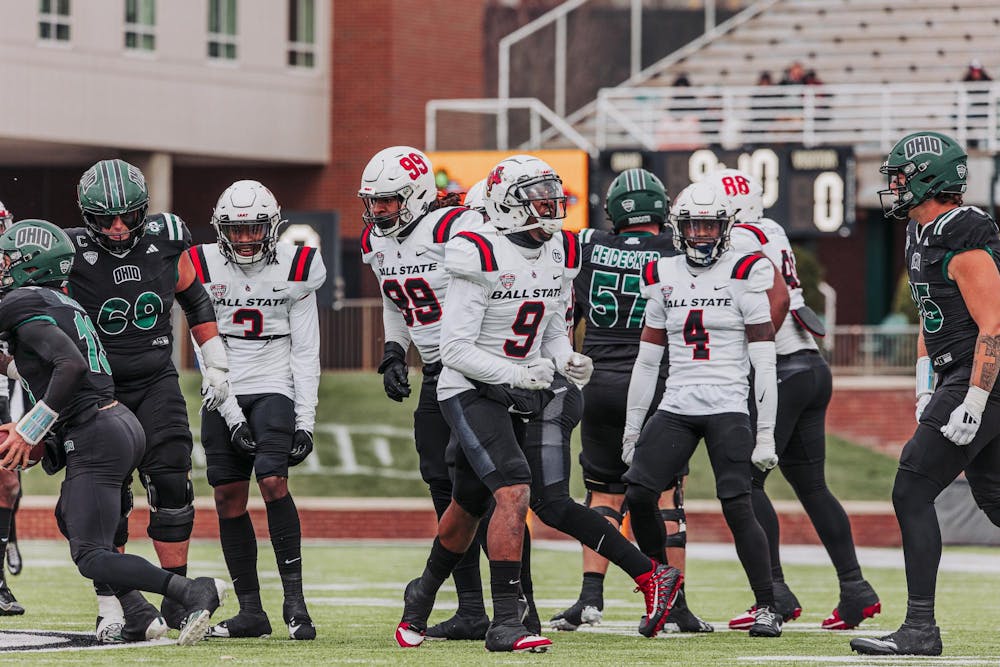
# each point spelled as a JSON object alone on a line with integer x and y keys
{"x": 242, "y": 440}
{"x": 394, "y": 372}
{"x": 4, "y": 405}
{"x": 55, "y": 454}
{"x": 302, "y": 446}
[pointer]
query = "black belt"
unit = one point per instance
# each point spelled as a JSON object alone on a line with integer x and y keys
{"x": 276, "y": 337}
{"x": 797, "y": 353}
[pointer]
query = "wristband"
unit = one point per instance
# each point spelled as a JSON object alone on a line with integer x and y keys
{"x": 213, "y": 353}
{"x": 976, "y": 399}
{"x": 36, "y": 423}
{"x": 925, "y": 376}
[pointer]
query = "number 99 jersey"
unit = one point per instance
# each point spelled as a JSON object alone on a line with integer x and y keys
{"x": 412, "y": 277}
{"x": 129, "y": 296}
{"x": 256, "y": 309}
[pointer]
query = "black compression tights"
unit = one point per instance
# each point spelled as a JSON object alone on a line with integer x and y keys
{"x": 913, "y": 498}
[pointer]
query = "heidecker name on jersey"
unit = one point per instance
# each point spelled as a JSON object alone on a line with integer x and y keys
{"x": 622, "y": 259}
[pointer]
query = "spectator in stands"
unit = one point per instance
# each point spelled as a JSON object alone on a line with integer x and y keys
{"x": 810, "y": 78}
{"x": 794, "y": 75}
{"x": 975, "y": 72}
{"x": 765, "y": 79}
{"x": 681, "y": 80}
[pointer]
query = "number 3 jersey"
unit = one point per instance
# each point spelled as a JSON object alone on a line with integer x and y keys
{"x": 504, "y": 305}
{"x": 768, "y": 237}
{"x": 412, "y": 276}
{"x": 949, "y": 331}
{"x": 267, "y": 317}
{"x": 129, "y": 296}
{"x": 705, "y": 313}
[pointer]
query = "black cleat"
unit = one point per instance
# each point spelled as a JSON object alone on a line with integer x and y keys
{"x": 173, "y": 613}
{"x": 205, "y": 596}
{"x": 785, "y": 602}
{"x": 417, "y": 606}
{"x": 460, "y": 626}
{"x": 529, "y": 613}
{"x": 9, "y": 606}
{"x": 767, "y": 623}
{"x": 581, "y": 613}
{"x": 659, "y": 587}
{"x": 296, "y": 617}
{"x": 242, "y": 625}
{"x": 513, "y": 636}
{"x": 682, "y": 619}
{"x": 858, "y": 601}
{"x": 14, "y": 562}
{"x": 908, "y": 640}
{"x": 144, "y": 625}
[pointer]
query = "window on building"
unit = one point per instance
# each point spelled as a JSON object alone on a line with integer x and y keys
{"x": 301, "y": 33}
{"x": 140, "y": 25}
{"x": 53, "y": 20}
{"x": 222, "y": 29}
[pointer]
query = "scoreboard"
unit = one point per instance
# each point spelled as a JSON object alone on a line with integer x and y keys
{"x": 809, "y": 191}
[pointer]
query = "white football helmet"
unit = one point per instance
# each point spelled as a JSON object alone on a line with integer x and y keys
{"x": 743, "y": 190}
{"x": 402, "y": 172}
{"x": 6, "y": 218}
{"x": 475, "y": 198}
{"x": 524, "y": 192}
{"x": 702, "y": 218}
{"x": 246, "y": 220}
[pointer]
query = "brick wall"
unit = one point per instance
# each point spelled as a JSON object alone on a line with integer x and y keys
{"x": 876, "y": 412}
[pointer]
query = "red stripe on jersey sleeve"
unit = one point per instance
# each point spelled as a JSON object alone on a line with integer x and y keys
{"x": 741, "y": 271}
{"x": 366, "y": 240}
{"x": 755, "y": 230}
{"x": 487, "y": 260}
{"x": 198, "y": 262}
{"x": 651, "y": 273}
{"x": 442, "y": 230}
{"x": 571, "y": 243}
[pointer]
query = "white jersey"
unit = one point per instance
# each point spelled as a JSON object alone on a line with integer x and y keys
{"x": 503, "y": 307}
{"x": 267, "y": 318}
{"x": 768, "y": 237}
{"x": 412, "y": 277}
{"x": 705, "y": 313}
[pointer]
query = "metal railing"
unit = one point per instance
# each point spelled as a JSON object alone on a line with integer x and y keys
{"x": 352, "y": 339}
{"x": 662, "y": 118}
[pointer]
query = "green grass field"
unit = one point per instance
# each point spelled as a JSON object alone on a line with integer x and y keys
{"x": 364, "y": 447}
{"x": 355, "y": 599}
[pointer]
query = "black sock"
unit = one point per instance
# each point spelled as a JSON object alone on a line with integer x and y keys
{"x": 592, "y": 590}
{"x": 180, "y": 569}
{"x": 505, "y": 582}
{"x": 286, "y": 538}
{"x": 101, "y": 588}
{"x": 176, "y": 587}
{"x": 469, "y": 583}
{"x": 920, "y": 610}
{"x": 133, "y": 602}
{"x": 239, "y": 548}
{"x": 440, "y": 564}
{"x": 527, "y": 585}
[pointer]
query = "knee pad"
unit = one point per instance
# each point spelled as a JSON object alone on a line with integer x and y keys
{"x": 473, "y": 497}
{"x": 637, "y": 496}
{"x": 989, "y": 501}
{"x": 737, "y": 510}
{"x": 553, "y": 512}
{"x": 676, "y": 540}
{"x": 171, "y": 508}
{"x": 605, "y": 511}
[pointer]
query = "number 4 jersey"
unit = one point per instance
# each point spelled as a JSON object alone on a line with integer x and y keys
{"x": 705, "y": 315}
{"x": 129, "y": 296}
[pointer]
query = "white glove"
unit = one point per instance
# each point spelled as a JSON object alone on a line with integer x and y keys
{"x": 963, "y": 424}
{"x": 628, "y": 447}
{"x": 579, "y": 368}
{"x": 922, "y": 402}
{"x": 535, "y": 376}
{"x": 764, "y": 456}
{"x": 214, "y": 387}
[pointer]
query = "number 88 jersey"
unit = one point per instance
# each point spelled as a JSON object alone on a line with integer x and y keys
{"x": 411, "y": 274}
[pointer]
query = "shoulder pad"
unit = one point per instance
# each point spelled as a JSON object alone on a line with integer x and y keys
{"x": 366, "y": 241}
{"x": 472, "y": 256}
{"x": 453, "y": 220}
{"x": 591, "y": 235}
{"x": 756, "y": 270}
{"x": 79, "y": 237}
{"x": 197, "y": 255}
{"x": 650, "y": 277}
{"x": 571, "y": 250}
{"x": 20, "y": 306}
{"x": 963, "y": 228}
{"x": 169, "y": 227}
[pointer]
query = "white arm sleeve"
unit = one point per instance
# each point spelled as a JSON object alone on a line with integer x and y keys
{"x": 303, "y": 323}
{"x": 642, "y": 385}
{"x": 555, "y": 342}
{"x": 765, "y": 383}
{"x": 460, "y": 324}
{"x": 394, "y": 324}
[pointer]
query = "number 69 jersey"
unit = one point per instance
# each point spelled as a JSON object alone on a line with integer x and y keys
{"x": 503, "y": 307}
{"x": 260, "y": 309}
{"x": 705, "y": 316}
{"x": 412, "y": 277}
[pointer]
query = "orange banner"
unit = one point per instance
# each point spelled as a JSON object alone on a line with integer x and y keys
{"x": 457, "y": 171}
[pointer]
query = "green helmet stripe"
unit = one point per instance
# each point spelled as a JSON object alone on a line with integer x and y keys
{"x": 119, "y": 181}
{"x": 109, "y": 192}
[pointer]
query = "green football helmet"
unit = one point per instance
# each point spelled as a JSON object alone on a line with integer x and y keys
{"x": 636, "y": 197}
{"x": 34, "y": 252}
{"x": 112, "y": 189}
{"x": 930, "y": 163}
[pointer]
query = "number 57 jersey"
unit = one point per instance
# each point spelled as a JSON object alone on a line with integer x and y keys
{"x": 260, "y": 307}
{"x": 705, "y": 315}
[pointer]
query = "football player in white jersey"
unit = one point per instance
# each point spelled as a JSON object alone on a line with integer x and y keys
{"x": 503, "y": 337}
{"x": 711, "y": 305}
{"x": 804, "y": 389}
{"x": 10, "y": 486}
{"x": 407, "y": 228}
{"x": 264, "y": 293}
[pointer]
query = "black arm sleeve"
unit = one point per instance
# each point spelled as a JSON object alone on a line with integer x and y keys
{"x": 68, "y": 365}
{"x": 197, "y": 306}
